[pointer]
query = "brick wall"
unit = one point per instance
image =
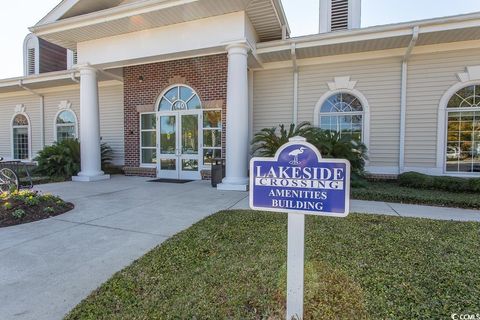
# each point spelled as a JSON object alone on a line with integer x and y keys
{"x": 206, "y": 75}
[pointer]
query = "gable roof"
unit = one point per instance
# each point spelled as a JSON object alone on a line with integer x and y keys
{"x": 72, "y": 8}
{"x": 74, "y": 21}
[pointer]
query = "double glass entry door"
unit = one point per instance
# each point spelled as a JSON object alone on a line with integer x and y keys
{"x": 179, "y": 145}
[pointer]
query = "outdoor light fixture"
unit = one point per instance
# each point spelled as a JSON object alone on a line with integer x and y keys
{"x": 140, "y": 79}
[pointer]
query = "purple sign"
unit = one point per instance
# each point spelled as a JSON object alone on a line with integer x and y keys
{"x": 298, "y": 180}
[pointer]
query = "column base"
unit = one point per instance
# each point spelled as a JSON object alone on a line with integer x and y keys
{"x": 91, "y": 178}
{"x": 234, "y": 184}
{"x": 232, "y": 187}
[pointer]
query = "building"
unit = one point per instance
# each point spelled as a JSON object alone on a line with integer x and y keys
{"x": 170, "y": 85}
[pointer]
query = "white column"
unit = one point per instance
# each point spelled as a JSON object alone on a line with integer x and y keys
{"x": 238, "y": 146}
{"x": 91, "y": 168}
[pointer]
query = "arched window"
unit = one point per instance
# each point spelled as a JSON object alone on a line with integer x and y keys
{"x": 463, "y": 131}
{"x": 21, "y": 137}
{"x": 179, "y": 98}
{"x": 65, "y": 125}
{"x": 343, "y": 113}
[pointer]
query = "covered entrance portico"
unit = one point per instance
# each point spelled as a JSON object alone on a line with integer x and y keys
{"x": 210, "y": 46}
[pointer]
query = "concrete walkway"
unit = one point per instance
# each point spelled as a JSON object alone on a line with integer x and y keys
{"x": 48, "y": 267}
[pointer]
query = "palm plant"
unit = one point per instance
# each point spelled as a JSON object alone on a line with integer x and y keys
{"x": 106, "y": 154}
{"x": 330, "y": 144}
{"x": 266, "y": 142}
{"x": 62, "y": 159}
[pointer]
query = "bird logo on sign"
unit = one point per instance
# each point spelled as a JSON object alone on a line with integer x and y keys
{"x": 295, "y": 154}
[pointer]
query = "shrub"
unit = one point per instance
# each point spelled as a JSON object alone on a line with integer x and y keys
{"x": 48, "y": 210}
{"x": 62, "y": 159}
{"x": 8, "y": 206}
{"x": 32, "y": 201}
{"x": 330, "y": 144}
{"x": 20, "y": 195}
{"x": 106, "y": 153}
{"x": 19, "y": 214}
{"x": 269, "y": 140}
{"x": 453, "y": 184}
{"x": 474, "y": 185}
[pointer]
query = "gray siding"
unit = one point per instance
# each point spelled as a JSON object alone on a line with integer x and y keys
{"x": 111, "y": 118}
{"x": 7, "y": 111}
{"x": 378, "y": 80}
{"x": 430, "y": 76}
{"x": 111, "y": 121}
{"x": 272, "y": 98}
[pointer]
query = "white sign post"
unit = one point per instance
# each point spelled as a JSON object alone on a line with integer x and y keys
{"x": 298, "y": 181}
{"x": 295, "y": 265}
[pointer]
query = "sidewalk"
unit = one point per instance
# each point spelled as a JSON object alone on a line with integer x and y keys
{"x": 402, "y": 210}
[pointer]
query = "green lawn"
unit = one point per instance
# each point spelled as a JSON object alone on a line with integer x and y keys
{"x": 392, "y": 192}
{"x": 232, "y": 266}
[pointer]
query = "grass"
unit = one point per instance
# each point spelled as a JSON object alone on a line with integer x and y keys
{"x": 232, "y": 266}
{"x": 393, "y": 192}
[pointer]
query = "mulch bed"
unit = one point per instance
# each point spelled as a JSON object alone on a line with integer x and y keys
{"x": 32, "y": 212}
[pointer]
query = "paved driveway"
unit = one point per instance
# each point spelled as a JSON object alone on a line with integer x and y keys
{"x": 48, "y": 267}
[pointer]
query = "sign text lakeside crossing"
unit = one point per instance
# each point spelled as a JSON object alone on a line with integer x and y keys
{"x": 299, "y": 180}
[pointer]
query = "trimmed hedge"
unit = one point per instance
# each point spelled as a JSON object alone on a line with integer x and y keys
{"x": 452, "y": 184}
{"x": 392, "y": 192}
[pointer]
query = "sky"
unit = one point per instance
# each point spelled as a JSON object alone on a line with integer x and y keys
{"x": 18, "y": 15}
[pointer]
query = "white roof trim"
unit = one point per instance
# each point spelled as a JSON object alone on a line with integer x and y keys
{"x": 280, "y": 12}
{"x": 124, "y": 11}
{"x": 376, "y": 32}
{"x": 43, "y": 77}
{"x": 50, "y": 26}
{"x": 57, "y": 12}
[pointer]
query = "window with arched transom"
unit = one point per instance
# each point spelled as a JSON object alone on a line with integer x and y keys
{"x": 21, "y": 137}
{"x": 343, "y": 113}
{"x": 66, "y": 126}
{"x": 463, "y": 131}
{"x": 179, "y": 97}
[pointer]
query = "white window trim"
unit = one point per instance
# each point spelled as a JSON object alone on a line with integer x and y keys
{"x": 140, "y": 130}
{"x": 201, "y": 164}
{"x": 442, "y": 128}
{"x": 366, "y": 111}
{"x": 55, "y": 125}
{"x": 208, "y": 166}
{"x": 160, "y": 97}
{"x": 29, "y": 136}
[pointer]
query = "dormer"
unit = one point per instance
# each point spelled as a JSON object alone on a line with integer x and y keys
{"x": 40, "y": 56}
{"x": 338, "y": 15}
